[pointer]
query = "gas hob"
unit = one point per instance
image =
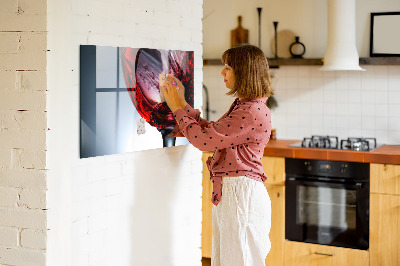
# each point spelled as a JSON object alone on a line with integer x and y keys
{"x": 332, "y": 142}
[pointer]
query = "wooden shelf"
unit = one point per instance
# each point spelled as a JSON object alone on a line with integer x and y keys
{"x": 380, "y": 61}
{"x": 274, "y": 63}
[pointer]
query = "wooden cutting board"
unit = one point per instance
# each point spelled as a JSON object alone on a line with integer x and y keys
{"x": 239, "y": 35}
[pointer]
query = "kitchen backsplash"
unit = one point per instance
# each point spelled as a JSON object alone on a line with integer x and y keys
{"x": 314, "y": 102}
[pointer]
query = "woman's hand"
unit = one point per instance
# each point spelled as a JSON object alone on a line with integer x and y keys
{"x": 174, "y": 93}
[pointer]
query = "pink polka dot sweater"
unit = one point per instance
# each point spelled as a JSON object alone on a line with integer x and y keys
{"x": 238, "y": 139}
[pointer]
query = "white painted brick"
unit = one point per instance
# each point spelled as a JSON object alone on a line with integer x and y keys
{"x": 178, "y": 7}
{"x": 81, "y": 210}
{"x": 23, "y": 139}
{"x": 23, "y": 100}
{"x": 33, "y": 7}
{"x": 190, "y": 23}
{"x": 196, "y": 10}
{"x": 197, "y": 37}
{"x": 81, "y": 193}
{"x": 23, "y": 178}
{"x": 97, "y": 190}
{"x": 197, "y": 166}
{"x": 113, "y": 170}
{"x": 7, "y": 80}
{"x": 5, "y": 158}
{"x": 79, "y": 176}
{"x": 80, "y": 227}
{"x": 128, "y": 168}
{"x": 31, "y": 55}
{"x": 33, "y": 199}
{"x": 35, "y": 120}
{"x": 17, "y": 256}
{"x": 31, "y": 80}
{"x": 22, "y": 22}
{"x": 116, "y": 201}
{"x": 168, "y": 19}
{"x": 97, "y": 173}
{"x": 8, "y": 237}
{"x": 33, "y": 43}
{"x": 154, "y": 32}
{"x": 150, "y": 5}
{"x": 22, "y": 218}
{"x": 98, "y": 222}
{"x": 33, "y": 159}
{"x": 9, "y": 42}
{"x": 33, "y": 239}
{"x": 8, "y": 6}
{"x": 8, "y": 197}
{"x": 114, "y": 186}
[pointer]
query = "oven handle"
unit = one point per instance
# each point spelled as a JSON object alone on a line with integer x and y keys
{"x": 357, "y": 185}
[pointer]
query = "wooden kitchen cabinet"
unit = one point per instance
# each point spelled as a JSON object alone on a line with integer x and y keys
{"x": 277, "y": 233}
{"x": 274, "y": 168}
{"x": 305, "y": 254}
{"x": 385, "y": 178}
{"x": 206, "y": 232}
{"x": 385, "y": 215}
{"x": 384, "y": 236}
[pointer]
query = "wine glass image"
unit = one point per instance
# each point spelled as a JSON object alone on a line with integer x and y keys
{"x": 141, "y": 70}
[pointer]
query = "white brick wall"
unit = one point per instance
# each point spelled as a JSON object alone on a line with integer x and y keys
{"x": 23, "y": 132}
{"x": 139, "y": 208}
{"x": 99, "y": 197}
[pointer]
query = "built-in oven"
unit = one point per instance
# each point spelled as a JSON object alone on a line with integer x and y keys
{"x": 327, "y": 202}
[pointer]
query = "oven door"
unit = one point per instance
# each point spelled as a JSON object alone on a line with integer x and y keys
{"x": 327, "y": 213}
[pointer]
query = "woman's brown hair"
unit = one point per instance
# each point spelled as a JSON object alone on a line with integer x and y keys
{"x": 250, "y": 66}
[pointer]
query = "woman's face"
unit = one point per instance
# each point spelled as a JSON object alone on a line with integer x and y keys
{"x": 229, "y": 76}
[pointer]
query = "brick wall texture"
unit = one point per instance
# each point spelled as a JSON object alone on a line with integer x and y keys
{"x": 140, "y": 208}
{"x": 23, "y": 128}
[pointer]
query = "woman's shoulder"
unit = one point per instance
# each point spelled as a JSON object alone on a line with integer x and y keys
{"x": 254, "y": 105}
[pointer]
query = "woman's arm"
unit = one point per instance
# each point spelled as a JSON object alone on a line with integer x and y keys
{"x": 238, "y": 128}
{"x": 174, "y": 93}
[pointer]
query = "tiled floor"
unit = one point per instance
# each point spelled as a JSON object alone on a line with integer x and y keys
{"x": 206, "y": 261}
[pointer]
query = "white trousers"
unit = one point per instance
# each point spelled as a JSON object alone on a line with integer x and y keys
{"x": 241, "y": 223}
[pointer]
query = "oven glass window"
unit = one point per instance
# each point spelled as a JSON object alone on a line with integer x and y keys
{"x": 326, "y": 207}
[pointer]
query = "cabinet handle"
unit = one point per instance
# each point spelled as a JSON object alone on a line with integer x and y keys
{"x": 324, "y": 254}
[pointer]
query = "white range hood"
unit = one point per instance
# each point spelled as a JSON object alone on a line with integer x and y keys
{"x": 341, "y": 51}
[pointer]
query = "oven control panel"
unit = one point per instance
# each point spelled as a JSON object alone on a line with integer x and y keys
{"x": 337, "y": 169}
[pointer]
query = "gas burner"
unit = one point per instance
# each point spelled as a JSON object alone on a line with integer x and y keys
{"x": 332, "y": 142}
{"x": 358, "y": 144}
{"x": 327, "y": 142}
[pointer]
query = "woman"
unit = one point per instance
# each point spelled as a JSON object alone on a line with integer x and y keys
{"x": 242, "y": 211}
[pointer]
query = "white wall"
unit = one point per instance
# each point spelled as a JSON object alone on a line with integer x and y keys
{"x": 141, "y": 208}
{"x": 23, "y": 133}
{"x": 311, "y": 102}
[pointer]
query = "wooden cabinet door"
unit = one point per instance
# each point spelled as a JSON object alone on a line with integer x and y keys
{"x": 206, "y": 232}
{"x": 274, "y": 168}
{"x": 277, "y": 233}
{"x": 384, "y": 236}
{"x": 385, "y": 178}
{"x": 304, "y": 254}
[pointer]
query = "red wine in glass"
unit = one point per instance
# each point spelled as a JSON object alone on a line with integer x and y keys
{"x": 141, "y": 69}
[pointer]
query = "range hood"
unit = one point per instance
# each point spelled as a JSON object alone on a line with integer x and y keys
{"x": 341, "y": 51}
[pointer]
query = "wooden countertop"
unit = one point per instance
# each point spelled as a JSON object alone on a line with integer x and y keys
{"x": 389, "y": 154}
